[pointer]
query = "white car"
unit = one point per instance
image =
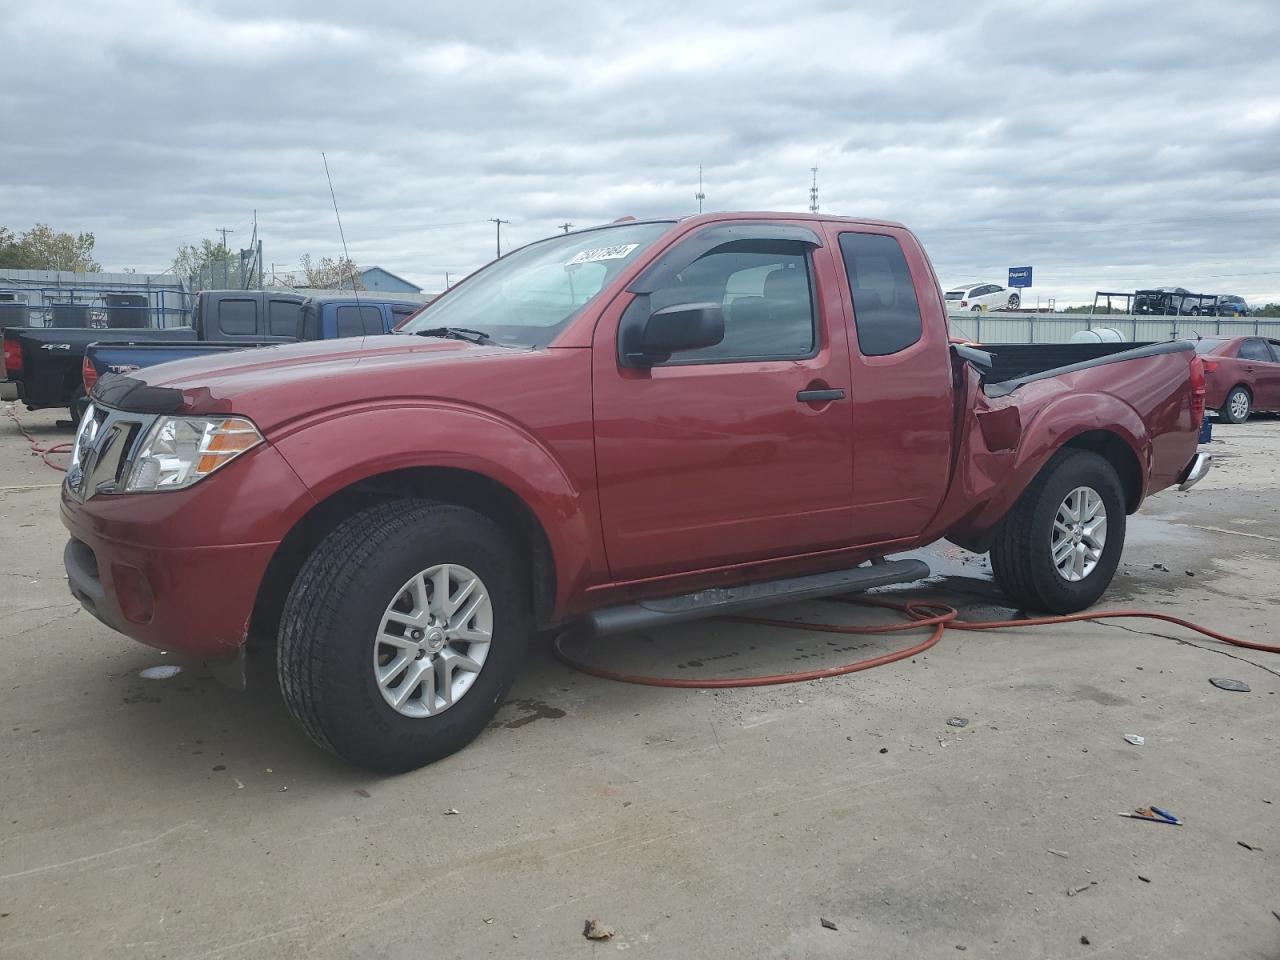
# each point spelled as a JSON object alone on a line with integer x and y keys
{"x": 981, "y": 296}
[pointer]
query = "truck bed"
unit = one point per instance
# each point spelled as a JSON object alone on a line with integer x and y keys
{"x": 1014, "y": 364}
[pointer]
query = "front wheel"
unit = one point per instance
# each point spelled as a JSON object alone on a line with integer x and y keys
{"x": 1058, "y": 548}
{"x": 403, "y": 633}
{"x": 1238, "y": 406}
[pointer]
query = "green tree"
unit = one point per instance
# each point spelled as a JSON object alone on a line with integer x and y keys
{"x": 43, "y": 248}
{"x": 330, "y": 274}
{"x": 210, "y": 265}
{"x": 1270, "y": 310}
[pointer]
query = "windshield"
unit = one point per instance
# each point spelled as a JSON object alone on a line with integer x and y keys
{"x": 527, "y": 297}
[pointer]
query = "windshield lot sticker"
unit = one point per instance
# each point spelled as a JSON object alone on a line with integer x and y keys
{"x": 618, "y": 252}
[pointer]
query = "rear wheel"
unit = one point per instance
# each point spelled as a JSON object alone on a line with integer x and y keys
{"x": 403, "y": 633}
{"x": 1238, "y": 406}
{"x": 1058, "y": 548}
{"x": 975, "y": 309}
{"x": 1015, "y": 301}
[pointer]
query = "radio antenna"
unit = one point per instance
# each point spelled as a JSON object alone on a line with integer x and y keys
{"x": 337, "y": 216}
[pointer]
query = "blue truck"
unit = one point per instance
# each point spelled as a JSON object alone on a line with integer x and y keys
{"x": 319, "y": 318}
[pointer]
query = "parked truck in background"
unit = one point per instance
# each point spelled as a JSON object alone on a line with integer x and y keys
{"x": 318, "y": 318}
{"x": 623, "y": 427}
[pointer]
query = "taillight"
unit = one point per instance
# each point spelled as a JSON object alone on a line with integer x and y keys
{"x": 964, "y": 303}
{"x": 1210, "y": 365}
{"x": 1197, "y": 391}
{"x": 89, "y": 375}
{"x": 12, "y": 357}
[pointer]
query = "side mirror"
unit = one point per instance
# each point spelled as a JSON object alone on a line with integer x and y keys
{"x": 649, "y": 338}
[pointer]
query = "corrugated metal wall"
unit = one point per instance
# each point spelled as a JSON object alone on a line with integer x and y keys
{"x": 1058, "y": 328}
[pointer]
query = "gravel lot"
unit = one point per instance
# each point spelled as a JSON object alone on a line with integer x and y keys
{"x": 176, "y": 818}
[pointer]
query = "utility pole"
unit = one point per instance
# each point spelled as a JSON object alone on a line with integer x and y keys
{"x": 813, "y": 192}
{"x": 699, "y": 196}
{"x": 226, "y": 256}
{"x": 566, "y": 226}
{"x": 497, "y": 228}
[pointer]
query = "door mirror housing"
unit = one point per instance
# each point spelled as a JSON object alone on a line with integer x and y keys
{"x": 651, "y": 338}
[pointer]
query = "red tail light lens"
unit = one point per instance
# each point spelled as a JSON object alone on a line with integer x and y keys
{"x": 964, "y": 303}
{"x": 1197, "y": 391}
{"x": 89, "y": 375}
{"x": 1209, "y": 365}
{"x": 12, "y": 357}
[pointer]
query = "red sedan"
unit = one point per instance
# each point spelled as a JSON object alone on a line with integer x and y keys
{"x": 1242, "y": 375}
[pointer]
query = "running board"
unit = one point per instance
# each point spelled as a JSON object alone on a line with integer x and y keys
{"x": 721, "y": 600}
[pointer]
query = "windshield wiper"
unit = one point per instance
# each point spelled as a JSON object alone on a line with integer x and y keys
{"x": 458, "y": 333}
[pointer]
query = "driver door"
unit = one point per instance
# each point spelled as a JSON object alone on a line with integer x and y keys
{"x": 737, "y": 452}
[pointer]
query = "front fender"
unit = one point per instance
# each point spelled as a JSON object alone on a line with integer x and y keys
{"x": 335, "y": 449}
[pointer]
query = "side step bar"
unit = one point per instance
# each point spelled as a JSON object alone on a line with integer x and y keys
{"x": 721, "y": 600}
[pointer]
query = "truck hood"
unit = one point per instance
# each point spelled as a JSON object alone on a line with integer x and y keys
{"x": 277, "y": 384}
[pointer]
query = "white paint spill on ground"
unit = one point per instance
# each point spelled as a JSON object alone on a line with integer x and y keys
{"x": 162, "y": 672}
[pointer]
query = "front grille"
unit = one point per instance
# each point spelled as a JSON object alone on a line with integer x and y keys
{"x": 103, "y": 449}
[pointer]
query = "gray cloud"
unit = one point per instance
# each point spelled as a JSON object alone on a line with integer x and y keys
{"x": 1110, "y": 145}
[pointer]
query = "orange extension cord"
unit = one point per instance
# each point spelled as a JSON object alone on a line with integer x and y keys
{"x": 35, "y": 444}
{"x": 920, "y": 613}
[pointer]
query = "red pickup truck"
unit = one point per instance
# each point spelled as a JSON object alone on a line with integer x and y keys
{"x": 625, "y": 426}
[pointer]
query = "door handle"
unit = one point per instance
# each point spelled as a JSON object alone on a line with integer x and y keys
{"x": 820, "y": 396}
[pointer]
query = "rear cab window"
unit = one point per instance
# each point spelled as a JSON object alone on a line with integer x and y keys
{"x": 283, "y": 317}
{"x": 361, "y": 321}
{"x": 886, "y": 313}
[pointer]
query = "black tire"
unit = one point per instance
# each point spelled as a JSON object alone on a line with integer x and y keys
{"x": 1021, "y": 557}
{"x": 1225, "y": 411}
{"x": 975, "y": 309}
{"x": 1015, "y": 301}
{"x": 334, "y": 611}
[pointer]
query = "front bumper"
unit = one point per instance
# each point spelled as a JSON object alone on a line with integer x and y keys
{"x": 179, "y": 570}
{"x": 1195, "y": 471}
{"x": 196, "y": 601}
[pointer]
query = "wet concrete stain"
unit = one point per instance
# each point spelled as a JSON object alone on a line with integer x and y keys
{"x": 532, "y": 710}
{"x": 1098, "y": 695}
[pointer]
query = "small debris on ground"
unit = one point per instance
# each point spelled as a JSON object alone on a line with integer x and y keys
{"x": 361, "y": 792}
{"x": 884, "y": 749}
{"x": 827, "y": 923}
{"x": 1276, "y": 914}
{"x": 1226, "y": 683}
{"x": 1084, "y": 940}
{"x": 1247, "y": 847}
{"x": 220, "y": 766}
{"x": 1143, "y": 879}
{"x": 595, "y": 930}
{"x": 958, "y": 722}
{"x": 961, "y": 946}
{"x": 1059, "y": 853}
{"x": 451, "y": 812}
{"x": 1133, "y": 738}
{"x": 165, "y": 671}
{"x": 1191, "y": 573}
{"x": 488, "y": 919}
{"x": 1159, "y": 566}
{"x": 1072, "y": 891}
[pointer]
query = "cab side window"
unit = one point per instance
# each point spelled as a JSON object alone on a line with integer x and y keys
{"x": 765, "y": 290}
{"x": 886, "y": 313}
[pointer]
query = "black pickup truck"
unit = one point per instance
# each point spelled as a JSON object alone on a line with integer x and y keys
{"x": 43, "y": 365}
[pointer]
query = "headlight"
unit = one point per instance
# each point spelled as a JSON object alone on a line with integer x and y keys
{"x": 178, "y": 451}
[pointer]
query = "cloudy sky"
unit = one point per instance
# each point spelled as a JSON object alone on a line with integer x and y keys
{"x": 1109, "y": 144}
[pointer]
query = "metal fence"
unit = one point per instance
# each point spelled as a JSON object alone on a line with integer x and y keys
{"x": 1058, "y": 328}
{"x": 58, "y": 298}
